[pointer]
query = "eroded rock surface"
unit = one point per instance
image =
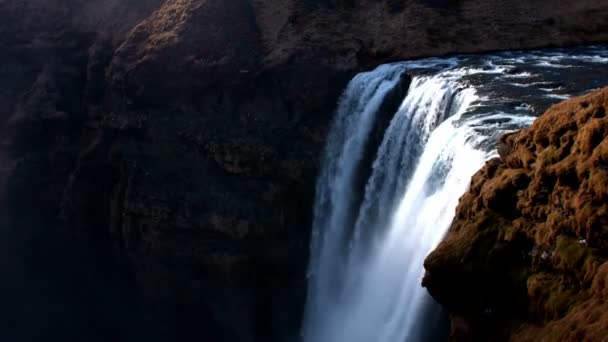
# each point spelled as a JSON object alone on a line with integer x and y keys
{"x": 526, "y": 257}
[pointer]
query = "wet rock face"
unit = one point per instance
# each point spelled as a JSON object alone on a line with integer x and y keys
{"x": 158, "y": 158}
{"x": 525, "y": 258}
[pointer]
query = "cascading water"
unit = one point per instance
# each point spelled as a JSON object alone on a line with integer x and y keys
{"x": 363, "y": 96}
{"x": 367, "y": 257}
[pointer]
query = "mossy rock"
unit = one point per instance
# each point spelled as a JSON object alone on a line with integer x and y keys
{"x": 549, "y": 296}
{"x": 570, "y": 253}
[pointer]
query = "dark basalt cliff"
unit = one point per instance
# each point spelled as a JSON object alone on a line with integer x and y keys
{"x": 526, "y": 256}
{"x": 158, "y": 158}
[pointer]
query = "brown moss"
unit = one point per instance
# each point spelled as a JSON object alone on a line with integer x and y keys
{"x": 542, "y": 204}
{"x": 569, "y": 253}
{"x": 549, "y": 297}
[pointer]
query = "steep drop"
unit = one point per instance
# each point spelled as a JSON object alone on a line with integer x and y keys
{"x": 539, "y": 215}
{"x": 367, "y": 256}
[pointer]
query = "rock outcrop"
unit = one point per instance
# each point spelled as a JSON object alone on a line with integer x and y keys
{"x": 526, "y": 257}
{"x": 158, "y": 157}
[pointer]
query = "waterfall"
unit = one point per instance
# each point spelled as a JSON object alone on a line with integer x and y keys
{"x": 367, "y": 251}
{"x": 334, "y": 197}
{"x": 348, "y": 262}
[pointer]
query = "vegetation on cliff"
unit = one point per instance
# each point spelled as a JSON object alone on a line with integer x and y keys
{"x": 526, "y": 258}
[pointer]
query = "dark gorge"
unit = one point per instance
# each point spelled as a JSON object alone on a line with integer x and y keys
{"x": 159, "y": 158}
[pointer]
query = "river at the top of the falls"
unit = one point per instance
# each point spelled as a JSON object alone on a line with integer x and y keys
{"x": 370, "y": 238}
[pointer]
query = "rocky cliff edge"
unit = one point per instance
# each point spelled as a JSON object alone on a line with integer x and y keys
{"x": 526, "y": 258}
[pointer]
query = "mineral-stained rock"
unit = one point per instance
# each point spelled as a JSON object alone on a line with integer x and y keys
{"x": 526, "y": 257}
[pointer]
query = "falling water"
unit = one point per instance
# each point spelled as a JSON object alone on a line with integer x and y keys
{"x": 367, "y": 256}
{"x": 334, "y": 199}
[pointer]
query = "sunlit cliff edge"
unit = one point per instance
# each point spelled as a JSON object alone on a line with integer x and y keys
{"x": 526, "y": 258}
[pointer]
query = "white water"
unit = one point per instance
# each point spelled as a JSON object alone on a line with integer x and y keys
{"x": 366, "y": 290}
{"x": 367, "y": 258}
{"x": 334, "y": 198}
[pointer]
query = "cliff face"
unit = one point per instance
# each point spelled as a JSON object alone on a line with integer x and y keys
{"x": 525, "y": 258}
{"x": 159, "y": 157}
{"x": 207, "y": 43}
